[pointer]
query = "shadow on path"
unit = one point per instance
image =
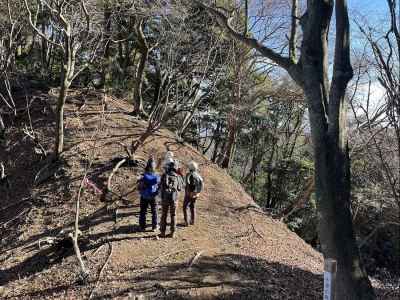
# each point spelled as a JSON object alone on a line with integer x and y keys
{"x": 226, "y": 276}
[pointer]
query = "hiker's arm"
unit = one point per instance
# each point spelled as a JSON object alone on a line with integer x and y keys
{"x": 180, "y": 183}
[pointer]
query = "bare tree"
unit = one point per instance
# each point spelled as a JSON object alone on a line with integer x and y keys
{"x": 327, "y": 109}
{"x": 379, "y": 128}
{"x": 180, "y": 77}
{"x": 11, "y": 28}
{"x": 73, "y": 23}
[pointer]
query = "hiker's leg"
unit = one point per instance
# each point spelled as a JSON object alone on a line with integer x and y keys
{"x": 173, "y": 216}
{"x": 164, "y": 212}
{"x": 192, "y": 210}
{"x": 142, "y": 216}
{"x": 185, "y": 205}
{"x": 154, "y": 220}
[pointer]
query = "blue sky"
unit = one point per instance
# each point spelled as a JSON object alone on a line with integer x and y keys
{"x": 367, "y": 5}
{"x": 375, "y": 13}
{"x": 374, "y": 10}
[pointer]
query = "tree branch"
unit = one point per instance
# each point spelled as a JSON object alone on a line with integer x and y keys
{"x": 253, "y": 43}
{"x": 35, "y": 28}
{"x": 87, "y": 16}
{"x": 293, "y": 32}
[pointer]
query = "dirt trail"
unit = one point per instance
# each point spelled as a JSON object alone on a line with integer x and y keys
{"x": 244, "y": 254}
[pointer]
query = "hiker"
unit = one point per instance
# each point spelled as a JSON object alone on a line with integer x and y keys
{"x": 148, "y": 187}
{"x": 171, "y": 184}
{"x": 170, "y": 157}
{"x": 194, "y": 186}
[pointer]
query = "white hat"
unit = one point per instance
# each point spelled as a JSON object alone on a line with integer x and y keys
{"x": 193, "y": 166}
{"x": 167, "y": 162}
{"x": 169, "y": 154}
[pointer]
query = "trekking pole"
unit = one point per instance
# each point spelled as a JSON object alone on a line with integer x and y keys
{"x": 330, "y": 266}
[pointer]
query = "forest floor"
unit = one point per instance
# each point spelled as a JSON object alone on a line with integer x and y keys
{"x": 241, "y": 252}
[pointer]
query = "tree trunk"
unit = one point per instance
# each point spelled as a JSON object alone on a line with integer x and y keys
{"x": 144, "y": 49}
{"x": 328, "y": 131}
{"x": 137, "y": 94}
{"x": 107, "y": 46}
{"x": 255, "y": 162}
{"x": 60, "y": 118}
{"x": 44, "y": 47}
{"x": 2, "y": 126}
{"x": 229, "y": 149}
{"x": 331, "y": 157}
{"x": 217, "y": 142}
{"x": 332, "y": 173}
{"x": 268, "y": 183}
{"x": 187, "y": 119}
{"x": 67, "y": 72}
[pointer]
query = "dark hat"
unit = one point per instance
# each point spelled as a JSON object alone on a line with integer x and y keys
{"x": 151, "y": 165}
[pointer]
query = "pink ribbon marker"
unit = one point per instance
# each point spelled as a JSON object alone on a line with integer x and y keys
{"x": 88, "y": 183}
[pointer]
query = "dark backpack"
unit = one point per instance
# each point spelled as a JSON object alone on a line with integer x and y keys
{"x": 141, "y": 185}
{"x": 194, "y": 183}
{"x": 171, "y": 185}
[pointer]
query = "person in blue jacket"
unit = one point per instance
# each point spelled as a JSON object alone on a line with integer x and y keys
{"x": 148, "y": 186}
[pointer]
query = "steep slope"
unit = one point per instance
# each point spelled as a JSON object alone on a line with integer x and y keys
{"x": 241, "y": 252}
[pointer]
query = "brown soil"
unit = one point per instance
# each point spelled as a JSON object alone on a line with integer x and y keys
{"x": 244, "y": 254}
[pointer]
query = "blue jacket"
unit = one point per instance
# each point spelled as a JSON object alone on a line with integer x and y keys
{"x": 151, "y": 182}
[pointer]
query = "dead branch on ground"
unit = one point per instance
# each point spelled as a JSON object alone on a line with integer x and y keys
{"x": 102, "y": 269}
{"x": 253, "y": 208}
{"x": 195, "y": 258}
{"x": 74, "y": 236}
{"x": 15, "y": 218}
{"x": 257, "y": 232}
{"x": 16, "y": 203}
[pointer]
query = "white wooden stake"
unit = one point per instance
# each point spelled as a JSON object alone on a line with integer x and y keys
{"x": 330, "y": 267}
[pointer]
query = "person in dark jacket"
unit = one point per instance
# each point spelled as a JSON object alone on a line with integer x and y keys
{"x": 148, "y": 187}
{"x": 193, "y": 188}
{"x": 171, "y": 184}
